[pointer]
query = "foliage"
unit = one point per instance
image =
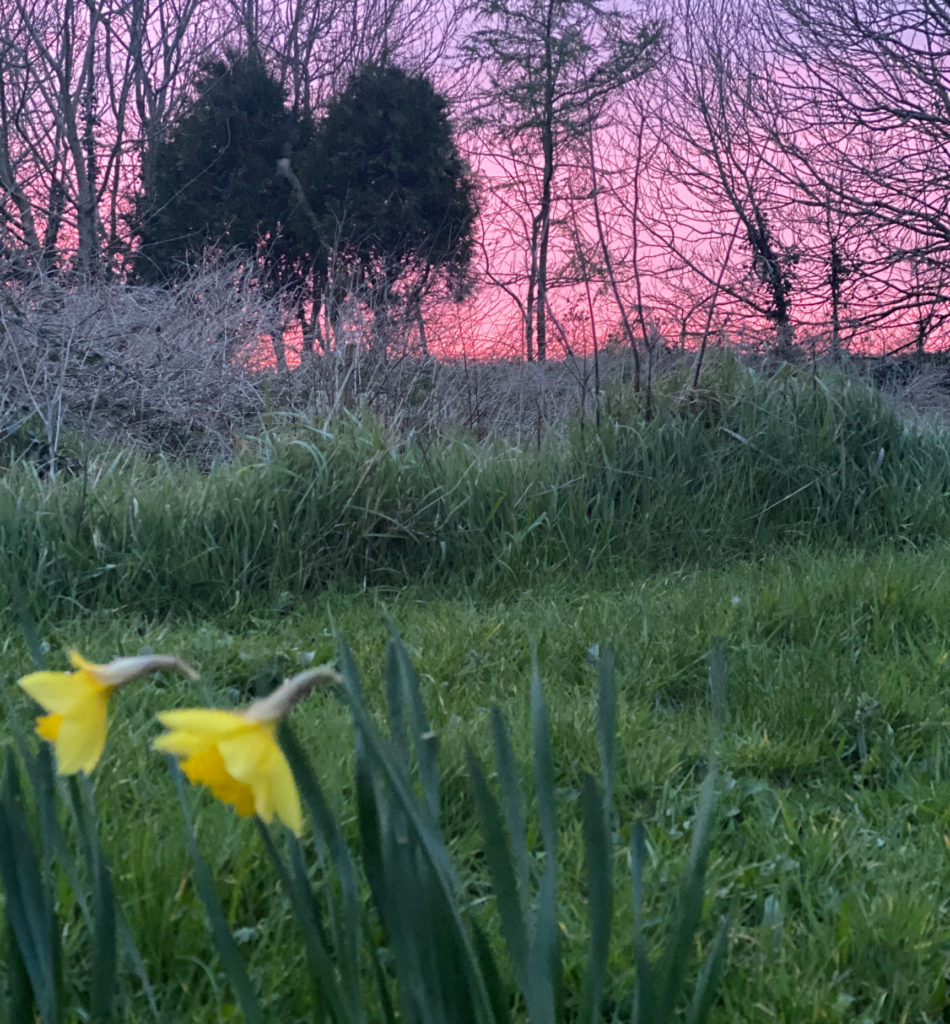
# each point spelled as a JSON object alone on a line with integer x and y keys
{"x": 828, "y": 847}
{"x": 396, "y": 202}
{"x": 746, "y": 464}
{"x": 552, "y": 64}
{"x": 436, "y": 962}
{"x": 40, "y": 854}
{"x": 551, "y": 67}
{"x": 213, "y": 181}
{"x": 375, "y": 198}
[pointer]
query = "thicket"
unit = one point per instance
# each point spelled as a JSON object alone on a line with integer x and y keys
{"x": 745, "y": 463}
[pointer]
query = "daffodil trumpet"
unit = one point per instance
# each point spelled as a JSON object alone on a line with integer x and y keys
{"x": 76, "y": 703}
{"x": 236, "y": 754}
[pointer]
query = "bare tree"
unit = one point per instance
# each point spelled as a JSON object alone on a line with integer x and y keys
{"x": 89, "y": 86}
{"x": 549, "y": 66}
{"x": 717, "y": 210}
{"x": 83, "y": 81}
{"x": 860, "y": 113}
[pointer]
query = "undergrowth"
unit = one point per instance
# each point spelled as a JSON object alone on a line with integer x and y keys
{"x": 796, "y": 519}
{"x": 740, "y": 466}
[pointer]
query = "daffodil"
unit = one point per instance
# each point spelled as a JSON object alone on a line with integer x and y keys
{"x": 236, "y": 753}
{"x": 76, "y": 703}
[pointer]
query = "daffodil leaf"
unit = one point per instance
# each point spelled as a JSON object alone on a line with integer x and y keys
{"x": 104, "y": 925}
{"x": 20, "y": 1000}
{"x": 347, "y": 932}
{"x": 503, "y": 875}
{"x": 599, "y": 899}
{"x": 29, "y": 907}
{"x": 678, "y": 952}
{"x": 643, "y": 997}
{"x": 304, "y": 905}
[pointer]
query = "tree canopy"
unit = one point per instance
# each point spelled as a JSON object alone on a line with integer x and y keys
{"x": 212, "y": 182}
{"x": 397, "y": 205}
{"x": 373, "y": 199}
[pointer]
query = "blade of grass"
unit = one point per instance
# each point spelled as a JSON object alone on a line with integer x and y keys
{"x": 370, "y": 826}
{"x": 718, "y": 704}
{"x": 18, "y": 600}
{"x": 447, "y": 957}
{"x": 433, "y": 974}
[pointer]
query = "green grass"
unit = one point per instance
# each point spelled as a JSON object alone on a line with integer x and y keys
{"x": 744, "y": 466}
{"x": 830, "y": 848}
{"x": 796, "y": 520}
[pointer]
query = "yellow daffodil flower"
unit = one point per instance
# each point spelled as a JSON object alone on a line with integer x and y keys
{"x": 236, "y": 753}
{"x": 76, "y": 704}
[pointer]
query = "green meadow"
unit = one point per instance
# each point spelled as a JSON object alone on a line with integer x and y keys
{"x": 764, "y": 564}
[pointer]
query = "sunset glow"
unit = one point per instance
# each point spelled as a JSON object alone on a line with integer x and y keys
{"x": 745, "y": 179}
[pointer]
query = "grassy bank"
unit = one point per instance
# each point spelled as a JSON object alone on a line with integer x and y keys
{"x": 735, "y": 469}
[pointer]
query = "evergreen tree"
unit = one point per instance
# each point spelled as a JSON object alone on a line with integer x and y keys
{"x": 395, "y": 201}
{"x": 375, "y": 200}
{"x": 213, "y": 182}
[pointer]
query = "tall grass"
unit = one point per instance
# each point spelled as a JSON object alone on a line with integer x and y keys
{"x": 740, "y": 466}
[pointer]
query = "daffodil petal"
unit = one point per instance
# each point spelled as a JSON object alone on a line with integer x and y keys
{"x": 207, "y": 769}
{"x": 212, "y": 721}
{"x": 58, "y": 692}
{"x": 183, "y": 744}
{"x": 256, "y": 759}
{"x": 237, "y": 758}
{"x": 246, "y": 753}
{"x": 79, "y": 662}
{"x": 48, "y": 726}
{"x": 282, "y": 793}
{"x": 82, "y": 737}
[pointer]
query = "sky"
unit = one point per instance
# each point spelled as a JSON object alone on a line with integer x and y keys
{"x": 680, "y": 252}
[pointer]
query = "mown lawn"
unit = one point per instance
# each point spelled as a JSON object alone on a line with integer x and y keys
{"x": 830, "y": 850}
